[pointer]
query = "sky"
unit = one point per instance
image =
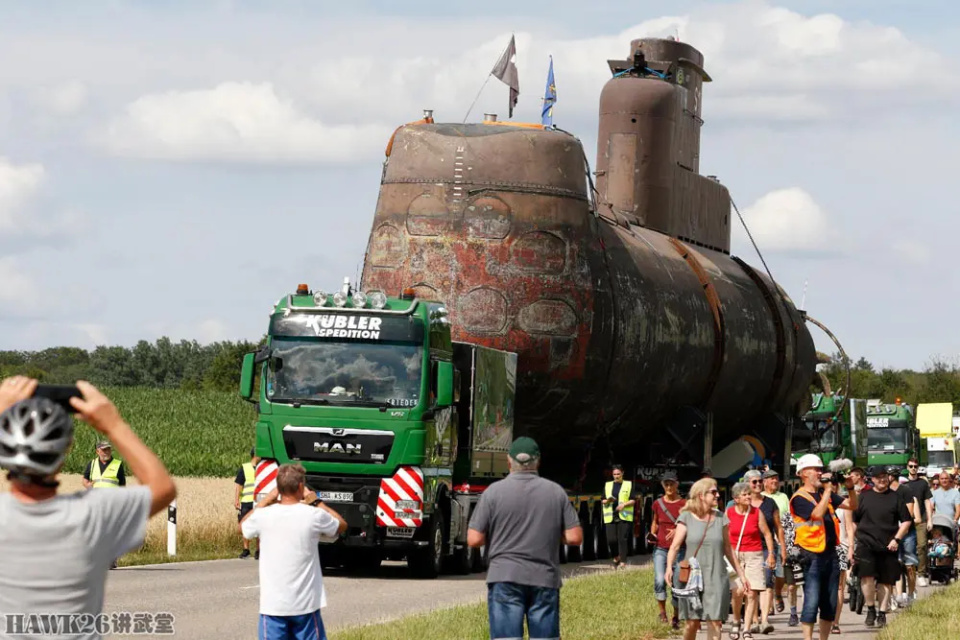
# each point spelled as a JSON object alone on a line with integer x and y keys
{"x": 172, "y": 169}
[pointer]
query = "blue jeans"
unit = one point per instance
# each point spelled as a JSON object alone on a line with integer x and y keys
{"x": 509, "y": 602}
{"x": 821, "y": 580}
{"x": 660, "y": 572}
{"x": 308, "y": 626}
{"x": 908, "y": 550}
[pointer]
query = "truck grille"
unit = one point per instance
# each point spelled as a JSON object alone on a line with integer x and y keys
{"x": 327, "y": 444}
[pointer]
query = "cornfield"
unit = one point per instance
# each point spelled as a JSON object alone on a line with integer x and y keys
{"x": 195, "y": 433}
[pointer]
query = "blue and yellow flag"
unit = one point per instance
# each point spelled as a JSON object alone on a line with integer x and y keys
{"x": 549, "y": 98}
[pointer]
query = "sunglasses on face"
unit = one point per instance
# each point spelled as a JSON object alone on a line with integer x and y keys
{"x": 755, "y": 482}
{"x": 714, "y": 492}
{"x": 911, "y": 466}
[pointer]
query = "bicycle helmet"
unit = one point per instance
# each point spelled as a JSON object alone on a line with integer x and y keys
{"x": 35, "y": 435}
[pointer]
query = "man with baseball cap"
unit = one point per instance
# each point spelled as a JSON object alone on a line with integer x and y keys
{"x": 104, "y": 471}
{"x": 523, "y": 519}
{"x": 882, "y": 522}
{"x": 817, "y": 534}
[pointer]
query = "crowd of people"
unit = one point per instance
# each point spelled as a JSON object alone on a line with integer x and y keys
{"x": 715, "y": 562}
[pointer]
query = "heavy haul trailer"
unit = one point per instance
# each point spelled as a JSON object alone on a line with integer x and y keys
{"x": 397, "y": 426}
{"x": 639, "y": 338}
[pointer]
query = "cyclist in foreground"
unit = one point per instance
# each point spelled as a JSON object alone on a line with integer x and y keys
{"x": 58, "y": 548}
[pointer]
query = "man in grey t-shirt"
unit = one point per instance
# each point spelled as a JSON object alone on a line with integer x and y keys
{"x": 58, "y": 548}
{"x": 523, "y": 519}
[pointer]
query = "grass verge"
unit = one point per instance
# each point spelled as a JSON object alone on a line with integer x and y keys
{"x": 931, "y": 617}
{"x": 586, "y": 612}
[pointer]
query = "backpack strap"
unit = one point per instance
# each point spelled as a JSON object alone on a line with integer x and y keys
{"x": 663, "y": 506}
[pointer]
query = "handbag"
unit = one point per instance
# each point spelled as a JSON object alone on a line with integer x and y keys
{"x": 684, "y": 574}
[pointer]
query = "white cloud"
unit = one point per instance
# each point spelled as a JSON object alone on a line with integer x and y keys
{"x": 19, "y": 184}
{"x": 212, "y": 330}
{"x": 786, "y": 220}
{"x": 235, "y": 122}
{"x": 337, "y": 100}
{"x": 913, "y": 252}
{"x": 17, "y": 289}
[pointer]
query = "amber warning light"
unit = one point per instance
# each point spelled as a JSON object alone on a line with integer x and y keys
{"x": 408, "y": 294}
{"x": 302, "y": 290}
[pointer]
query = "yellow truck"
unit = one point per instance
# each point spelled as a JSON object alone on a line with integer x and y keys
{"x": 935, "y": 423}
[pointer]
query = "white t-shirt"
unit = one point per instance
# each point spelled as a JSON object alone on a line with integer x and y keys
{"x": 291, "y": 583}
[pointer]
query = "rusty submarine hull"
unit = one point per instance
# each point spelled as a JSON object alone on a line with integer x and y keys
{"x": 633, "y": 323}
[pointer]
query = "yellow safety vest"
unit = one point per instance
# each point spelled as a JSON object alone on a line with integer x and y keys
{"x": 249, "y": 477}
{"x": 625, "y": 491}
{"x": 109, "y": 479}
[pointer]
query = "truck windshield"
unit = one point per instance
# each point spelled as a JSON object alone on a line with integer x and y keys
{"x": 940, "y": 459}
{"x": 321, "y": 372}
{"x": 890, "y": 439}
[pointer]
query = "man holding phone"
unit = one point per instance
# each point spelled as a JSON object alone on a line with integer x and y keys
{"x": 58, "y": 548}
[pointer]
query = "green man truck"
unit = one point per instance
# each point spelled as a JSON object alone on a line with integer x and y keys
{"x": 892, "y": 436}
{"x": 842, "y": 436}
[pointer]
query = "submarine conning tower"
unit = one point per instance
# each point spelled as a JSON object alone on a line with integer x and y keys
{"x": 648, "y": 149}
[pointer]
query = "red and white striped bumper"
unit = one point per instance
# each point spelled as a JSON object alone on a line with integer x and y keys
{"x": 265, "y": 478}
{"x": 406, "y": 484}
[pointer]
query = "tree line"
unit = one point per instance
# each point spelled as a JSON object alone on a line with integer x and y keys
{"x": 163, "y": 364}
{"x": 192, "y": 366}
{"x": 939, "y": 382}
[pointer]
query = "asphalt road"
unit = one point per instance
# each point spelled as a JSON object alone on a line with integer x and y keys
{"x": 220, "y": 598}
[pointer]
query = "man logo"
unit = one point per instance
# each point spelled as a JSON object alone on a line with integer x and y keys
{"x": 339, "y": 432}
{"x": 336, "y": 447}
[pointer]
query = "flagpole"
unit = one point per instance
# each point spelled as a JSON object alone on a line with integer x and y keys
{"x": 472, "y": 104}
{"x": 489, "y": 75}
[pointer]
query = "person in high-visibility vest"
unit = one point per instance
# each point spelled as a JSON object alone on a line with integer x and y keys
{"x": 104, "y": 471}
{"x": 243, "y": 497}
{"x": 618, "y": 504}
{"x": 817, "y": 534}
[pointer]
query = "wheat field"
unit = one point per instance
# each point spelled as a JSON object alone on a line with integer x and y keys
{"x": 206, "y": 520}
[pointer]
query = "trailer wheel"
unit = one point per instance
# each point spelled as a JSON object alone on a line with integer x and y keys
{"x": 426, "y": 562}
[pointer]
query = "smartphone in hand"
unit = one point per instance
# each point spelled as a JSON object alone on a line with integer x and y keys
{"x": 60, "y": 394}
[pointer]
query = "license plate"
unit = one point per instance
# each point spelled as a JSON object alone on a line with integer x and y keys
{"x": 336, "y": 496}
{"x": 400, "y": 532}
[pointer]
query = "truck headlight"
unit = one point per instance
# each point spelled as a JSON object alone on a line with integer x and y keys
{"x": 359, "y": 299}
{"x": 377, "y": 299}
{"x": 320, "y": 298}
{"x": 339, "y": 298}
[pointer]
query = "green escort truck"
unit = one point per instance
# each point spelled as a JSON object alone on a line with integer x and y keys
{"x": 391, "y": 420}
{"x": 892, "y": 436}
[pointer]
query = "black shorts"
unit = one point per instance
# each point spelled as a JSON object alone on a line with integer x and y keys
{"x": 882, "y": 565}
{"x": 245, "y": 508}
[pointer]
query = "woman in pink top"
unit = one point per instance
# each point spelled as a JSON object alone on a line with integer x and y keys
{"x": 748, "y": 530}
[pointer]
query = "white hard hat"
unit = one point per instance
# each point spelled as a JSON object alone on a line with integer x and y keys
{"x": 809, "y": 461}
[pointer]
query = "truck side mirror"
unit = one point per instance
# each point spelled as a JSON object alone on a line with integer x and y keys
{"x": 444, "y": 384}
{"x": 246, "y": 376}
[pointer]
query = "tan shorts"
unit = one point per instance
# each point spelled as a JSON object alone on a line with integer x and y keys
{"x": 752, "y": 564}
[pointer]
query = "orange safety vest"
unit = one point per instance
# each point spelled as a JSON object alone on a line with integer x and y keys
{"x": 812, "y": 534}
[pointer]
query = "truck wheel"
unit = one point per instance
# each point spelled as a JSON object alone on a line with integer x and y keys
{"x": 425, "y": 562}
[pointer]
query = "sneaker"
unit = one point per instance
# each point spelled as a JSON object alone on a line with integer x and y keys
{"x": 871, "y": 616}
{"x": 881, "y": 619}
{"x": 245, "y": 554}
{"x": 893, "y": 604}
{"x": 794, "y": 620}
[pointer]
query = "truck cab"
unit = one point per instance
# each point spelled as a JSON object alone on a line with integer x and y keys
{"x": 892, "y": 437}
{"x": 935, "y": 423}
{"x": 392, "y": 421}
{"x": 836, "y": 434}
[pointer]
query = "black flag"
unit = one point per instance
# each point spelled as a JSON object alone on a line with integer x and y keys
{"x": 506, "y": 71}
